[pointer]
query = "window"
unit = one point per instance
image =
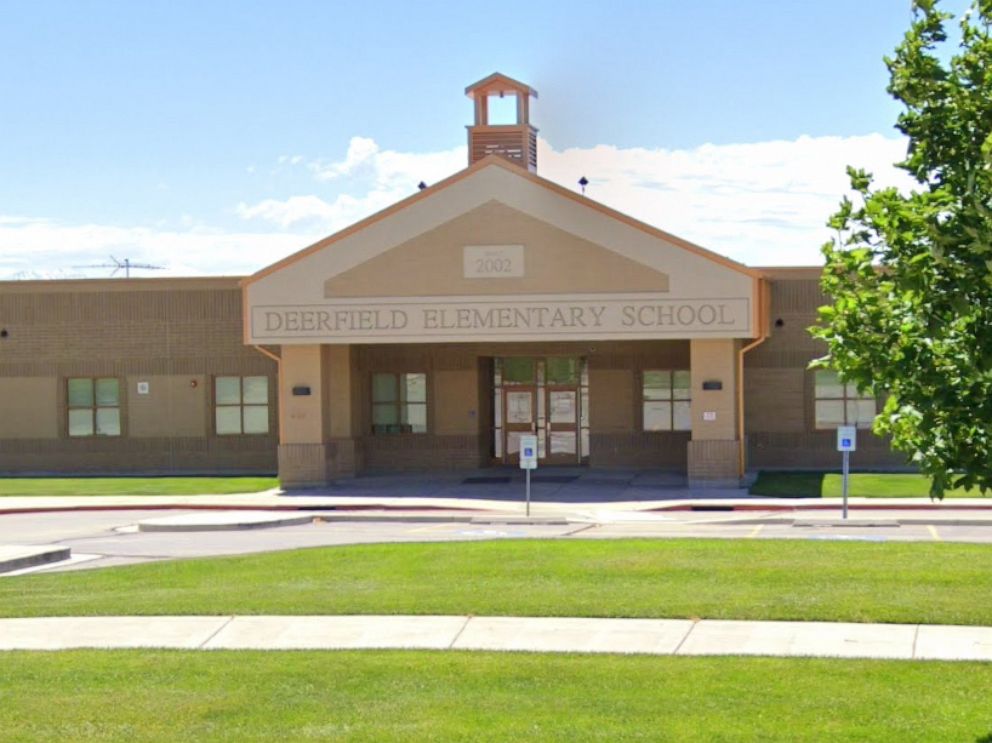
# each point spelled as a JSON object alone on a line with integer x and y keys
{"x": 94, "y": 406}
{"x": 839, "y": 404}
{"x": 241, "y": 405}
{"x": 519, "y": 370}
{"x": 665, "y": 399}
{"x": 399, "y": 403}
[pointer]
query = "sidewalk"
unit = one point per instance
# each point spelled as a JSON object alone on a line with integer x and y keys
{"x": 544, "y": 634}
{"x": 371, "y": 506}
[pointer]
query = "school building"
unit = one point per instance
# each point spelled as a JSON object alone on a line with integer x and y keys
{"x": 431, "y": 336}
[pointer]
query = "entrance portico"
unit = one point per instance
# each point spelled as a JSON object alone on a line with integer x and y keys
{"x": 496, "y": 303}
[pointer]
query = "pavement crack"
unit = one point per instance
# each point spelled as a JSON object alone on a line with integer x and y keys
{"x": 579, "y": 530}
{"x": 916, "y": 636}
{"x": 215, "y": 633}
{"x": 686, "y": 637}
{"x": 459, "y": 633}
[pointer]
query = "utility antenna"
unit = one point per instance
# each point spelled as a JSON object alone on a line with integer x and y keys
{"x": 123, "y": 265}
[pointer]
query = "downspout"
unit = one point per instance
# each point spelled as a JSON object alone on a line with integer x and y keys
{"x": 278, "y": 360}
{"x": 764, "y": 301}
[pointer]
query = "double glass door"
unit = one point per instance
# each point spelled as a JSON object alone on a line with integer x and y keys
{"x": 544, "y": 397}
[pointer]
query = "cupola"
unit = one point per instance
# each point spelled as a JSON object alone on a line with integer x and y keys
{"x": 516, "y": 139}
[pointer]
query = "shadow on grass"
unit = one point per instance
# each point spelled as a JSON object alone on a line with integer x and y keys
{"x": 789, "y": 485}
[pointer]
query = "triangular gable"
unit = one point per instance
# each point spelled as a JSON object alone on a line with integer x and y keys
{"x": 571, "y": 246}
{"x": 436, "y": 263}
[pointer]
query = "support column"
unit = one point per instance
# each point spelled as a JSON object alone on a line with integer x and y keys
{"x": 342, "y": 423}
{"x": 713, "y": 450}
{"x": 302, "y": 455}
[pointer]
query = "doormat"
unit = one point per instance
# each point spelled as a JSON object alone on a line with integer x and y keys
{"x": 486, "y": 480}
{"x": 554, "y": 478}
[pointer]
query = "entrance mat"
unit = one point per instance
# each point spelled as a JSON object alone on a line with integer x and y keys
{"x": 554, "y": 478}
{"x": 487, "y": 480}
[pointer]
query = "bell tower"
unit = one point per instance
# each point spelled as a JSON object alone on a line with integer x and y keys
{"x": 515, "y": 141}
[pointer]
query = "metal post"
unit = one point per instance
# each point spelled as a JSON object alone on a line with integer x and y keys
{"x": 847, "y": 459}
{"x": 528, "y": 492}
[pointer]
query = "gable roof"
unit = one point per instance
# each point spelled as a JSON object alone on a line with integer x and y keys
{"x": 498, "y": 82}
{"x": 494, "y": 161}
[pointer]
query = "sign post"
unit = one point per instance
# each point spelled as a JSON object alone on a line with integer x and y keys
{"x": 847, "y": 441}
{"x": 528, "y": 460}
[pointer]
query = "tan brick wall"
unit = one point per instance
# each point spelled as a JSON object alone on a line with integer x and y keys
{"x": 712, "y": 463}
{"x": 640, "y": 449}
{"x": 29, "y": 408}
{"x": 778, "y": 389}
{"x": 302, "y": 465}
{"x": 169, "y": 332}
{"x": 174, "y": 406}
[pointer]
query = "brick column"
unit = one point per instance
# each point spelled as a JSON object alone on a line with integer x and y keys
{"x": 713, "y": 450}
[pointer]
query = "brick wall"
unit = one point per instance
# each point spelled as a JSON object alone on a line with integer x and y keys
{"x": 778, "y": 388}
{"x": 182, "y": 332}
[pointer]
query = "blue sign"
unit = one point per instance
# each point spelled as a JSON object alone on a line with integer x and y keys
{"x": 847, "y": 438}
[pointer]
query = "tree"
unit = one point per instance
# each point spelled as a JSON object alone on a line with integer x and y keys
{"x": 910, "y": 274}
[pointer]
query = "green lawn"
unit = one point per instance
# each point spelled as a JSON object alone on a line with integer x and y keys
{"x": 134, "y": 485}
{"x": 456, "y": 696}
{"x": 940, "y": 583}
{"x": 862, "y": 485}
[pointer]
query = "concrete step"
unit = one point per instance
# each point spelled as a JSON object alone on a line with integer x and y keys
{"x": 854, "y": 523}
{"x": 225, "y": 521}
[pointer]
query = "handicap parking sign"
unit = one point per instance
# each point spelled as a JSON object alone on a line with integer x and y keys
{"x": 528, "y": 452}
{"x": 847, "y": 438}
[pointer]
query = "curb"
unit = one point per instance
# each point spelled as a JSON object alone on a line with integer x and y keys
{"x": 39, "y": 557}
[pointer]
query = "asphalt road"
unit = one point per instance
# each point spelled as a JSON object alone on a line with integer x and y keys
{"x": 105, "y": 538}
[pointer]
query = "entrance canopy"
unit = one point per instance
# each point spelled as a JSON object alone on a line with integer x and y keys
{"x": 498, "y": 253}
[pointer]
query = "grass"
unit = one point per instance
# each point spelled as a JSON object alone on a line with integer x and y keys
{"x": 423, "y": 696}
{"x": 134, "y": 485}
{"x": 939, "y": 583}
{"x": 862, "y": 485}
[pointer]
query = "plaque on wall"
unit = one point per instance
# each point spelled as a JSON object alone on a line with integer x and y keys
{"x": 493, "y": 261}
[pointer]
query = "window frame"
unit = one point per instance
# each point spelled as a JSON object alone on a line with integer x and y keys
{"x": 242, "y": 405}
{"x": 94, "y": 407}
{"x": 671, "y": 400}
{"x": 398, "y": 403}
{"x": 846, "y": 397}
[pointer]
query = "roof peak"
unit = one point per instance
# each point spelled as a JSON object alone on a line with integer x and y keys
{"x": 497, "y": 83}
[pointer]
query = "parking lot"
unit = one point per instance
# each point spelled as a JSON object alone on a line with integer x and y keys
{"x": 106, "y": 538}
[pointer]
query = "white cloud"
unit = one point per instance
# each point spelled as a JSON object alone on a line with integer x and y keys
{"x": 44, "y": 247}
{"x": 764, "y": 203}
{"x": 371, "y": 178}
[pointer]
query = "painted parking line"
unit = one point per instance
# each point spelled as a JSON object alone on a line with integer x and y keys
{"x": 933, "y": 532}
{"x": 429, "y": 527}
{"x": 490, "y": 533}
{"x": 755, "y": 531}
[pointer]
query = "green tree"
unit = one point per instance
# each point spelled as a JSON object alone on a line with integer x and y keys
{"x": 910, "y": 274}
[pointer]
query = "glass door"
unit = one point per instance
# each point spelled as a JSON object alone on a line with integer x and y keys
{"x": 519, "y": 418}
{"x": 545, "y": 396}
{"x": 563, "y": 425}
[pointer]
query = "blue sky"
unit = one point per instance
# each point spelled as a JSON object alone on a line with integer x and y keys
{"x": 215, "y": 137}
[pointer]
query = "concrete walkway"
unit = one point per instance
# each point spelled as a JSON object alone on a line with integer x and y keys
{"x": 467, "y": 505}
{"x": 544, "y": 634}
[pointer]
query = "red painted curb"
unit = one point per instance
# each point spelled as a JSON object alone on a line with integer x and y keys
{"x": 180, "y": 507}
